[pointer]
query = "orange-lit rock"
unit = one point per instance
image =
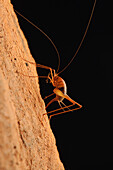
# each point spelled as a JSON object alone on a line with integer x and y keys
{"x": 24, "y": 142}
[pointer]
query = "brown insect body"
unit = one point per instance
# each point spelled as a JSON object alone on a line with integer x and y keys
{"x": 60, "y": 84}
{"x": 60, "y": 90}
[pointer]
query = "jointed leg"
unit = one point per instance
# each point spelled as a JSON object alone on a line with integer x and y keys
{"x": 79, "y": 106}
{"x": 37, "y": 65}
{"x": 63, "y": 111}
{"x": 66, "y": 106}
{"x": 32, "y": 76}
{"x": 53, "y": 100}
{"x": 48, "y": 96}
{"x": 61, "y": 106}
{"x": 46, "y": 67}
{"x": 41, "y": 66}
{"x": 59, "y": 93}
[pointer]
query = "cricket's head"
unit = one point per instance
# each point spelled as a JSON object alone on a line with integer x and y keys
{"x": 57, "y": 81}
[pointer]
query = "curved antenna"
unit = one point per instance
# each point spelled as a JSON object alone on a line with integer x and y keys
{"x": 81, "y": 40}
{"x": 45, "y": 36}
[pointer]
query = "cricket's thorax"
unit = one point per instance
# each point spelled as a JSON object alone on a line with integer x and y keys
{"x": 60, "y": 84}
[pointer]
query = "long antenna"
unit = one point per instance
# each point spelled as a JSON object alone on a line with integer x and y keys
{"x": 43, "y": 34}
{"x": 81, "y": 40}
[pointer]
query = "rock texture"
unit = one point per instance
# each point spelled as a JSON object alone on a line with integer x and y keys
{"x": 25, "y": 143}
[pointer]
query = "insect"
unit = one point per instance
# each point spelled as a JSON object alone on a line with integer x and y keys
{"x": 60, "y": 89}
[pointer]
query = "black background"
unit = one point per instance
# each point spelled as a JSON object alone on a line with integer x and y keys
{"x": 83, "y": 137}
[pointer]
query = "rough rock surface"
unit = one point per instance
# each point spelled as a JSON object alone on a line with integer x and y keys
{"x": 25, "y": 143}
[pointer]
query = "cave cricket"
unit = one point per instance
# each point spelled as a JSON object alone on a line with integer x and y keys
{"x": 60, "y": 89}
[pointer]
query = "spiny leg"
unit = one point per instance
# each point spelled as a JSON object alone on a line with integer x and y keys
{"x": 80, "y": 106}
{"x": 59, "y": 93}
{"x": 66, "y": 106}
{"x": 63, "y": 111}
